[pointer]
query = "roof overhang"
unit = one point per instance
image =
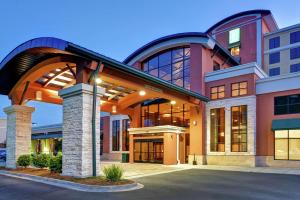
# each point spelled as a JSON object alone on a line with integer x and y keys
{"x": 23, "y": 58}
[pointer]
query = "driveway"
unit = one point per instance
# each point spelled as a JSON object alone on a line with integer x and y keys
{"x": 137, "y": 170}
{"x": 186, "y": 184}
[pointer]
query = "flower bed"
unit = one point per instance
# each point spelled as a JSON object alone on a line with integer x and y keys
{"x": 99, "y": 180}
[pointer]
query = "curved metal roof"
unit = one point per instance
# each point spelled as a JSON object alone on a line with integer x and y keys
{"x": 223, "y": 51}
{"x": 21, "y": 59}
{"x": 244, "y": 13}
{"x": 163, "y": 39}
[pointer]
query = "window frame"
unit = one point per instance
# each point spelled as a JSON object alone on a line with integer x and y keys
{"x": 218, "y": 126}
{"x": 274, "y": 68}
{"x": 274, "y": 42}
{"x": 288, "y": 138}
{"x": 296, "y": 66}
{"x": 239, "y": 88}
{"x": 231, "y": 128}
{"x": 287, "y": 105}
{"x": 234, "y": 43}
{"x": 184, "y": 71}
{"x": 218, "y": 92}
{"x": 271, "y": 59}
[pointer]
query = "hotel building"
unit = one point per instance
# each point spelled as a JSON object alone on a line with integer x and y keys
{"x": 226, "y": 96}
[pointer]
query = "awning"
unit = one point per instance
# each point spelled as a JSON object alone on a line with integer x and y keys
{"x": 285, "y": 124}
{"x": 46, "y": 136}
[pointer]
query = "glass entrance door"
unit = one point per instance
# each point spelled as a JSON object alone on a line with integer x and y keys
{"x": 148, "y": 150}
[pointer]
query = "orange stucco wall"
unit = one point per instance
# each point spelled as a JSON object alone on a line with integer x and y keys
{"x": 265, "y": 115}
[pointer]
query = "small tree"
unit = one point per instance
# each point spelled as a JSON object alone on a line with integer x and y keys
{"x": 113, "y": 173}
{"x": 40, "y": 160}
{"x": 24, "y": 161}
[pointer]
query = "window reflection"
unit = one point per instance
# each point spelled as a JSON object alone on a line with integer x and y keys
{"x": 172, "y": 66}
{"x": 160, "y": 112}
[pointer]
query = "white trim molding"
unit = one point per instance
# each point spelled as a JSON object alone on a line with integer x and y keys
{"x": 249, "y": 68}
{"x": 250, "y": 101}
{"x": 157, "y": 129}
{"x": 278, "y": 83}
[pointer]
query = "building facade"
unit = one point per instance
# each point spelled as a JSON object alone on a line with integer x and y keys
{"x": 200, "y": 98}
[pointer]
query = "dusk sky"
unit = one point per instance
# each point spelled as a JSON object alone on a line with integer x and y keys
{"x": 116, "y": 28}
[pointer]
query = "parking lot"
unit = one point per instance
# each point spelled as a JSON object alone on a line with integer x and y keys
{"x": 185, "y": 184}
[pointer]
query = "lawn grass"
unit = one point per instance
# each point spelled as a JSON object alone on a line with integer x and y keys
{"x": 99, "y": 180}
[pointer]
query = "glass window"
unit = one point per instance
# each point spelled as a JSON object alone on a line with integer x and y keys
{"x": 294, "y": 37}
{"x": 295, "y": 68}
{"x": 274, "y": 42}
{"x": 287, "y": 104}
{"x": 287, "y": 145}
{"x": 116, "y": 135}
{"x": 217, "y": 130}
{"x": 125, "y": 134}
{"x": 239, "y": 89}
{"x": 216, "y": 66}
{"x": 172, "y": 66}
{"x": 235, "y": 51}
{"x": 239, "y": 128}
{"x": 163, "y": 113}
{"x": 295, "y": 53}
{"x": 234, "y": 36}
{"x": 274, "y": 71}
{"x": 217, "y": 92}
{"x": 274, "y": 57}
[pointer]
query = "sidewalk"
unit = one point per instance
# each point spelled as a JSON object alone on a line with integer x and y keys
{"x": 292, "y": 171}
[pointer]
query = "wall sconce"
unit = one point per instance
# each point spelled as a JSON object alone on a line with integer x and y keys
{"x": 195, "y": 123}
{"x": 38, "y": 95}
{"x": 114, "y": 109}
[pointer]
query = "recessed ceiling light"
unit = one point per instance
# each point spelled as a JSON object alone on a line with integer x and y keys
{"x": 142, "y": 93}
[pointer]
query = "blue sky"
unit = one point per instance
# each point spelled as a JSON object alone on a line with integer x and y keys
{"x": 116, "y": 28}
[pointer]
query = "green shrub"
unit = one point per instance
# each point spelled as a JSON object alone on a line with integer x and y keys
{"x": 113, "y": 173}
{"x": 24, "y": 161}
{"x": 40, "y": 160}
{"x": 55, "y": 163}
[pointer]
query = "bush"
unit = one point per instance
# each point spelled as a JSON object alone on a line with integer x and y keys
{"x": 24, "y": 161}
{"x": 40, "y": 160}
{"x": 113, "y": 173}
{"x": 55, "y": 163}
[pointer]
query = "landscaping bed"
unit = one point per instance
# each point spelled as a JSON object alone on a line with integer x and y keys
{"x": 100, "y": 180}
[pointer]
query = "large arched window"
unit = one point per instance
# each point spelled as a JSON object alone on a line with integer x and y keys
{"x": 171, "y": 65}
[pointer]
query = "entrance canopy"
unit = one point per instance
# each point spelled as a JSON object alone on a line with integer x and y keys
{"x": 39, "y": 68}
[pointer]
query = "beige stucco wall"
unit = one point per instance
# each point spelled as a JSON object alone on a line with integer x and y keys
{"x": 284, "y": 50}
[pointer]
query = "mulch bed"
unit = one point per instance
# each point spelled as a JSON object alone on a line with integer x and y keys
{"x": 99, "y": 180}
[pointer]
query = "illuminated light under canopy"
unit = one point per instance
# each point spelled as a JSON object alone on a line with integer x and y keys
{"x": 98, "y": 80}
{"x": 173, "y": 102}
{"x": 142, "y": 93}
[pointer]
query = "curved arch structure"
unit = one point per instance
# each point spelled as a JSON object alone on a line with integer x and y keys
{"x": 175, "y": 40}
{"x": 236, "y": 16}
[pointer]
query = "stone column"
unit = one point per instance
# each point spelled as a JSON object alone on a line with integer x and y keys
{"x": 77, "y": 130}
{"x": 18, "y": 134}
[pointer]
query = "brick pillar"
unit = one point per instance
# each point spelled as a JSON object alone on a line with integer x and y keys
{"x": 77, "y": 130}
{"x": 18, "y": 134}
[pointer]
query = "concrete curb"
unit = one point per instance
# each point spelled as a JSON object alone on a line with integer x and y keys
{"x": 72, "y": 185}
